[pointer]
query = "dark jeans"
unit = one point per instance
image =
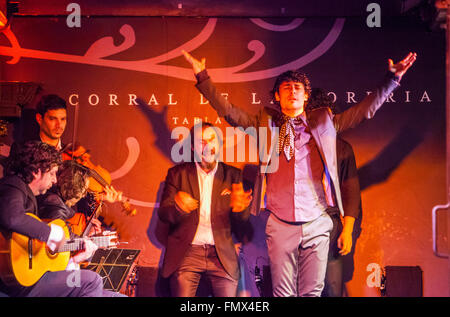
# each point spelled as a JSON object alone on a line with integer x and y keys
{"x": 198, "y": 261}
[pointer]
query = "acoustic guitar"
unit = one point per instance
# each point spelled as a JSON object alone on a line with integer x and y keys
{"x": 24, "y": 260}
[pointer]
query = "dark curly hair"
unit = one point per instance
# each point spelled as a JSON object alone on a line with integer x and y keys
{"x": 320, "y": 99}
{"x": 50, "y": 102}
{"x": 32, "y": 157}
{"x": 72, "y": 179}
{"x": 291, "y": 75}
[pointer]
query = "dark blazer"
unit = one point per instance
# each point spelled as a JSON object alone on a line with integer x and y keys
{"x": 51, "y": 206}
{"x": 16, "y": 199}
{"x": 183, "y": 226}
{"x": 323, "y": 124}
{"x": 348, "y": 176}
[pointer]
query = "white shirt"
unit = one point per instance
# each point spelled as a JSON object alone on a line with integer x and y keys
{"x": 204, "y": 234}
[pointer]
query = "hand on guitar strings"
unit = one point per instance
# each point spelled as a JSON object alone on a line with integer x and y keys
{"x": 96, "y": 227}
{"x": 89, "y": 249}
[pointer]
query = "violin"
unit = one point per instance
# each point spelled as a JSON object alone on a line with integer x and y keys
{"x": 99, "y": 178}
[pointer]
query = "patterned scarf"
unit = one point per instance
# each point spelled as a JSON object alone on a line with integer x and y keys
{"x": 287, "y": 134}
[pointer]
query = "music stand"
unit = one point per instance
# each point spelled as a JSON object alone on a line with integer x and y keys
{"x": 113, "y": 265}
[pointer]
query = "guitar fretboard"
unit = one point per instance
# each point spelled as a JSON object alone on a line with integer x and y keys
{"x": 78, "y": 244}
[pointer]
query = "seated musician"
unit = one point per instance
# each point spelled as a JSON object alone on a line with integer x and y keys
{"x": 71, "y": 185}
{"x": 31, "y": 171}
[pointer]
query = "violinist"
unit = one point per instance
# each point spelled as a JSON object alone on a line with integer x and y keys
{"x": 52, "y": 119}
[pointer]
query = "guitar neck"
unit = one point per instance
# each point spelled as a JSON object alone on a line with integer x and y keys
{"x": 78, "y": 244}
{"x": 95, "y": 215}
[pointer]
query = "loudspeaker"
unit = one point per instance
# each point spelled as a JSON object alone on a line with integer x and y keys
{"x": 113, "y": 265}
{"x": 403, "y": 281}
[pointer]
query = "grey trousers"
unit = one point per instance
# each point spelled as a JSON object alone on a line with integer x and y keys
{"x": 298, "y": 254}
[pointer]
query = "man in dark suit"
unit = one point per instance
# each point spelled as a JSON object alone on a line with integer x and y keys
{"x": 351, "y": 201}
{"x": 202, "y": 202}
{"x": 300, "y": 170}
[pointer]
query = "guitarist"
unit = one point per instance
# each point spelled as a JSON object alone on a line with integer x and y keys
{"x": 71, "y": 186}
{"x": 31, "y": 171}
